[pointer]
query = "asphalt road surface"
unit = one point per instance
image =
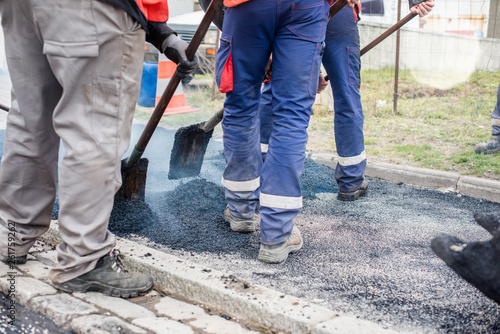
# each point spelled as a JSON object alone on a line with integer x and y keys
{"x": 370, "y": 258}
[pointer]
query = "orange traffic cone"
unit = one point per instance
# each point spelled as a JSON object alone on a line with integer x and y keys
{"x": 177, "y": 104}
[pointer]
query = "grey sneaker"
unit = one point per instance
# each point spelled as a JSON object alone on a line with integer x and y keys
{"x": 244, "y": 225}
{"x": 279, "y": 253}
{"x": 490, "y": 146}
{"x": 14, "y": 259}
{"x": 353, "y": 195}
{"x": 110, "y": 278}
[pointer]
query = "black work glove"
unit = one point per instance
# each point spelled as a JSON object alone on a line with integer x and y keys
{"x": 175, "y": 49}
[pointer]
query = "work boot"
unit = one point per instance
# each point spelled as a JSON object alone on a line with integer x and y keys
{"x": 14, "y": 259}
{"x": 279, "y": 253}
{"x": 489, "y": 221}
{"x": 353, "y": 195}
{"x": 490, "y": 146}
{"x": 477, "y": 262}
{"x": 244, "y": 225}
{"x": 110, "y": 278}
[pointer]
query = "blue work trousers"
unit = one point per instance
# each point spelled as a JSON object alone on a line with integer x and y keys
{"x": 293, "y": 32}
{"x": 342, "y": 63}
{"x": 495, "y": 116}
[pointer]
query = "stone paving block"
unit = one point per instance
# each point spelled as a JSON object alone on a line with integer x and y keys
{"x": 26, "y": 288}
{"x": 4, "y": 269}
{"x": 178, "y": 310}
{"x": 217, "y": 325}
{"x": 121, "y": 307}
{"x": 36, "y": 269}
{"x": 30, "y": 257}
{"x": 348, "y": 325}
{"x": 163, "y": 326}
{"x": 99, "y": 324}
{"x": 48, "y": 257}
{"x": 61, "y": 308}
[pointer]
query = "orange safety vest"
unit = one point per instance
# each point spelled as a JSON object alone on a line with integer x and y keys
{"x": 154, "y": 10}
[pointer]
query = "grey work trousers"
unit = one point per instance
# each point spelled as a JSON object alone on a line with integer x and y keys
{"x": 76, "y": 70}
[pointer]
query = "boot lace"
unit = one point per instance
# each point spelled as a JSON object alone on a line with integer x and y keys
{"x": 115, "y": 258}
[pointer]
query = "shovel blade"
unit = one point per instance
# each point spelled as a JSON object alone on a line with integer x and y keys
{"x": 190, "y": 145}
{"x": 133, "y": 181}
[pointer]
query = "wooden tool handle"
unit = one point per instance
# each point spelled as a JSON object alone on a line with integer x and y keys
{"x": 387, "y": 33}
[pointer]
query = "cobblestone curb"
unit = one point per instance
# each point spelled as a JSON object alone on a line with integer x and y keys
{"x": 424, "y": 177}
{"x": 255, "y": 305}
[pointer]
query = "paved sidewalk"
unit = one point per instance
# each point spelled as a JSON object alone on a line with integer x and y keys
{"x": 156, "y": 312}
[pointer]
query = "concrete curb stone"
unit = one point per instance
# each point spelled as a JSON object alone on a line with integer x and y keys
{"x": 424, "y": 177}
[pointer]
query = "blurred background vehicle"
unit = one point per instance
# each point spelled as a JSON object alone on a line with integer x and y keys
{"x": 185, "y": 25}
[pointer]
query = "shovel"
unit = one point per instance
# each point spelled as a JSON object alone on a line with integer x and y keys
{"x": 190, "y": 142}
{"x": 134, "y": 168}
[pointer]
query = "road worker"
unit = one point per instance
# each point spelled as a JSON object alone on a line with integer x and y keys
{"x": 341, "y": 60}
{"x": 75, "y": 68}
{"x": 492, "y": 145}
{"x": 294, "y": 32}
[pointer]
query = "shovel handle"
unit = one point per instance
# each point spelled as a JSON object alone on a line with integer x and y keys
{"x": 213, "y": 121}
{"x": 4, "y": 107}
{"x": 336, "y": 7}
{"x": 155, "y": 118}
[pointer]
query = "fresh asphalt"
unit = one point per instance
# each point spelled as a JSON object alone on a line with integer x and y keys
{"x": 369, "y": 258}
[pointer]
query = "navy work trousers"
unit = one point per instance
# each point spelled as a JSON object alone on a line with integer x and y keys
{"x": 342, "y": 63}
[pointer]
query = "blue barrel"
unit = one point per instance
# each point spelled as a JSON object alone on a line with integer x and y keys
{"x": 147, "y": 95}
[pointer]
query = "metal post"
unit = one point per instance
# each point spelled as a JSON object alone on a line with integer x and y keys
{"x": 396, "y": 66}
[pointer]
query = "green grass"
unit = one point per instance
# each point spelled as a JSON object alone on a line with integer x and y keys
{"x": 432, "y": 128}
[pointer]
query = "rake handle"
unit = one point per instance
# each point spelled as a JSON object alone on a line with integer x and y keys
{"x": 155, "y": 118}
{"x": 386, "y": 34}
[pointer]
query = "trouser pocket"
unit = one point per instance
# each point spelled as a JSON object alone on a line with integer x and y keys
{"x": 224, "y": 65}
{"x": 105, "y": 101}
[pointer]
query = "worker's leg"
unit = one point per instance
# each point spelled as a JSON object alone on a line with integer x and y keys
{"x": 492, "y": 145}
{"x": 495, "y": 116}
{"x": 96, "y": 55}
{"x": 242, "y": 58}
{"x": 342, "y": 63}
{"x": 28, "y": 173}
{"x": 296, "y": 61}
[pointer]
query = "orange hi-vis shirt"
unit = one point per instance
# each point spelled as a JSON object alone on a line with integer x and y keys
{"x": 154, "y": 10}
